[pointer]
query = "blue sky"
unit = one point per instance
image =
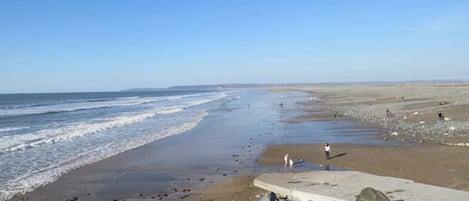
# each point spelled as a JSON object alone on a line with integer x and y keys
{"x": 54, "y": 46}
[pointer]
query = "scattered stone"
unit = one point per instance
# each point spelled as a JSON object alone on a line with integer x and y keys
{"x": 416, "y": 113}
{"x": 75, "y": 198}
{"x": 394, "y": 133}
{"x": 269, "y": 197}
{"x": 370, "y": 194}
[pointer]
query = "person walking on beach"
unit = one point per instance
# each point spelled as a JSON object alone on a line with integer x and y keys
{"x": 285, "y": 158}
{"x": 440, "y": 115}
{"x": 327, "y": 150}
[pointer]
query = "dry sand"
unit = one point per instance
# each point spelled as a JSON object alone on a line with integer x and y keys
{"x": 429, "y": 163}
{"x": 238, "y": 188}
{"x": 414, "y": 108}
{"x": 414, "y": 120}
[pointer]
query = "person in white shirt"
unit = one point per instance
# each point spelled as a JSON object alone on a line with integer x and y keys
{"x": 285, "y": 158}
{"x": 327, "y": 149}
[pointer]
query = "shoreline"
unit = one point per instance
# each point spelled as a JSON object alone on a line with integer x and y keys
{"x": 419, "y": 154}
{"x": 235, "y": 172}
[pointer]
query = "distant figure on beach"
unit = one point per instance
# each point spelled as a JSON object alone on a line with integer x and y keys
{"x": 285, "y": 158}
{"x": 440, "y": 115}
{"x": 327, "y": 150}
{"x": 388, "y": 113}
{"x": 290, "y": 162}
{"x": 335, "y": 115}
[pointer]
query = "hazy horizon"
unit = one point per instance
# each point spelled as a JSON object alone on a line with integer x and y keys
{"x": 62, "y": 46}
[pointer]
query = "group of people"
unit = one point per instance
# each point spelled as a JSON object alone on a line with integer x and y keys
{"x": 289, "y": 161}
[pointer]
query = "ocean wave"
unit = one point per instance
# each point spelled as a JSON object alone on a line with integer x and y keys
{"x": 216, "y": 96}
{"x": 78, "y": 129}
{"x": 7, "y": 129}
{"x": 34, "y": 179}
{"x": 20, "y": 142}
{"x": 71, "y": 106}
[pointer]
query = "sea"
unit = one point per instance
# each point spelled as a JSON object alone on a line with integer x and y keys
{"x": 45, "y": 135}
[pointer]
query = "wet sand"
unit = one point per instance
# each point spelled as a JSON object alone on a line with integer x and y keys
{"x": 182, "y": 167}
{"x": 225, "y": 144}
{"x": 427, "y": 163}
{"x": 433, "y": 164}
{"x": 423, "y": 156}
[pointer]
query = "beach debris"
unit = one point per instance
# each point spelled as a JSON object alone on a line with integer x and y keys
{"x": 460, "y": 144}
{"x": 445, "y": 134}
{"x": 370, "y": 194}
{"x": 421, "y": 122}
{"x": 447, "y": 119}
{"x": 75, "y": 198}
{"x": 452, "y": 129}
{"x": 394, "y": 133}
{"x": 405, "y": 117}
{"x": 269, "y": 197}
{"x": 416, "y": 113}
{"x": 443, "y": 102}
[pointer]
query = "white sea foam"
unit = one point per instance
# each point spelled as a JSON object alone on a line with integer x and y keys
{"x": 79, "y": 129}
{"x": 62, "y": 134}
{"x": 34, "y": 179}
{"x": 83, "y": 105}
{"x": 205, "y": 100}
{"x": 7, "y": 129}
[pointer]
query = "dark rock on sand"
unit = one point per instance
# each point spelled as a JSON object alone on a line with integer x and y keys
{"x": 370, "y": 194}
{"x": 269, "y": 197}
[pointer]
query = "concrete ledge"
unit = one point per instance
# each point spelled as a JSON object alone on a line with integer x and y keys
{"x": 345, "y": 185}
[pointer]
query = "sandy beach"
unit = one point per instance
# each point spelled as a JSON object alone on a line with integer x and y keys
{"x": 431, "y": 150}
{"x": 249, "y": 138}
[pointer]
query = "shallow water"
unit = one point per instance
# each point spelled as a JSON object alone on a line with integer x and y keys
{"x": 225, "y": 143}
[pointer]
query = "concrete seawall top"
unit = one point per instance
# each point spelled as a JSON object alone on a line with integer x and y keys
{"x": 346, "y": 185}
